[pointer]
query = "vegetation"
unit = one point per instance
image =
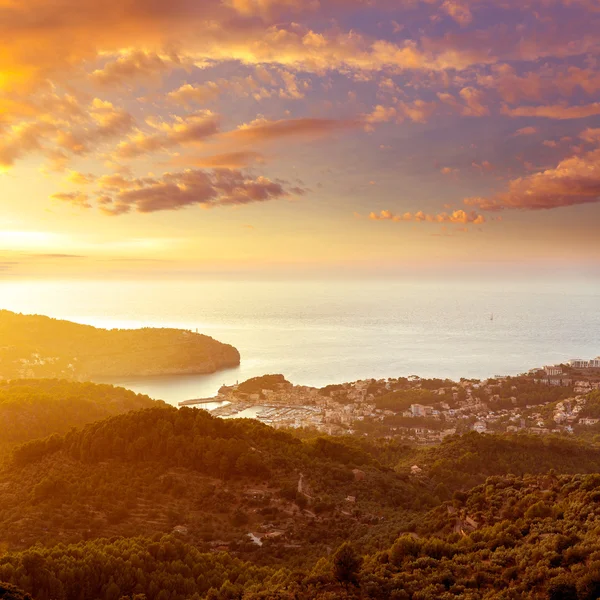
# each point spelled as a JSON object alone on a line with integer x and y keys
{"x": 508, "y": 539}
{"x": 255, "y": 385}
{"x": 401, "y": 400}
{"x": 157, "y": 504}
{"x": 32, "y": 409}
{"x": 10, "y": 592}
{"x": 592, "y": 406}
{"x": 149, "y": 471}
{"x": 36, "y": 346}
{"x": 461, "y": 462}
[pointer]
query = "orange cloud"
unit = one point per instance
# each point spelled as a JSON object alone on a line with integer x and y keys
{"x": 457, "y": 216}
{"x": 195, "y": 94}
{"x": 192, "y": 187}
{"x": 64, "y": 132}
{"x": 591, "y": 135}
{"x": 134, "y": 65}
{"x": 459, "y": 11}
{"x": 193, "y": 129}
{"x": 549, "y": 80}
{"x": 228, "y": 160}
{"x": 554, "y": 111}
{"x": 77, "y": 178}
{"x": 473, "y": 99}
{"x": 575, "y": 180}
{"x": 78, "y": 199}
{"x": 264, "y": 130}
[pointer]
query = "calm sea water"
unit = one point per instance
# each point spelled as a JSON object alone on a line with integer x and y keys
{"x": 320, "y": 332}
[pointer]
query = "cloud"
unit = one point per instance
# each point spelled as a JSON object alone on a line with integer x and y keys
{"x": 457, "y": 216}
{"x": 575, "y": 180}
{"x": 525, "y": 131}
{"x": 554, "y": 111}
{"x": 473, "y": 99}
{"x": 472, "y": 102}
{"x": 77, "y": 178}
{"x": 134, "y": 65}
{"x": 265, "y": 130}
{"x": 78, "y": 199}
{"x": 591, "y": 135}
{"x": 418, "y": 111}
{"x": 549, "y": 80}
{"x": 70, "y": 129}
{"x": 228, "y": 160}
{"x": 181, "y": 131}
{"x": 195, "y": 94}
{"x": 459, "y": 11}
{"x": 212, "y": 31}
{"x": 174, "y": 191}
{"x": 22, "y": 139}
{"x": 55, "y": 256}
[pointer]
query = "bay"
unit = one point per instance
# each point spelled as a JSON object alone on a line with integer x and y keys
{"x": 321, "y": 332}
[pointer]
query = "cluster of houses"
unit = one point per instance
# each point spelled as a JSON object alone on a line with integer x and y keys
{"x": 37, "y": 366}
{"x": 579, "y": 363}
{"x": 462, "y": 406}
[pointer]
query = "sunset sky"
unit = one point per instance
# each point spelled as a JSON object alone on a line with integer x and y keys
{"x": 154, "y": 137}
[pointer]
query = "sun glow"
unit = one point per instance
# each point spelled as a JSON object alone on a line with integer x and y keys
{"x": 28, "y": 240}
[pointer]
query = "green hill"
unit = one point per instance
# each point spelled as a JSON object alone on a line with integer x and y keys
{"x": 511, "y": 538}
{"x": 159, "y": 504}
{"x": 149, "y": 471}
{"x": 36, "y": 346}
{"x": 32, "y": 409}
{"x": 461, "y": 462}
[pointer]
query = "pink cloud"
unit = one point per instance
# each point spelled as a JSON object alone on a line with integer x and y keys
{"x": 525, "y": 131}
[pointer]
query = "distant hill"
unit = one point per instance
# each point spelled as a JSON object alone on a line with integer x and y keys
{"x": 461, "y": 462}
{"x": 33, "y": 346}
{"x": 37, "y": 408}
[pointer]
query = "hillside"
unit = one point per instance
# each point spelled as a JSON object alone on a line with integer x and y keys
{"x": 37, "y": 408}
{"x": 150, "y": 471}
{"x": 177, "y": 504}
{"x": 512, "y": 538}
{"x": 461, "y": 462}
{"x": 33, "y": 346}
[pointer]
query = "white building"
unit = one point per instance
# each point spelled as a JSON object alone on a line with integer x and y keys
{"x": 419, "y": 410}
{"x": 579, "y": 363}
{"x": 480, "y": 427}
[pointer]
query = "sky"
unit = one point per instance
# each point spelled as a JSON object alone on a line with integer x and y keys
{"x": 158, "y": 138}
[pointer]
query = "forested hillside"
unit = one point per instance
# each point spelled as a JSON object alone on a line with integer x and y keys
{"x": 176, "y": 504}
{"x": 512, "y": 538}
{"x": 150, "y": 471}
{"x": 37, "y": 346}
{"x": 31, "y": 409}
{"x": 461, "y": 462}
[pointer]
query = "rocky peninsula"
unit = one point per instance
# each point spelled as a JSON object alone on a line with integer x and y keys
{"x": 33, "y": 346}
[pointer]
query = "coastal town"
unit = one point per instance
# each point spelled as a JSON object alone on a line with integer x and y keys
{"x": 547, "y": 400}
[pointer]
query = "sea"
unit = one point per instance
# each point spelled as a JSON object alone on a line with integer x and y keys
{"x": 317, "y": 332}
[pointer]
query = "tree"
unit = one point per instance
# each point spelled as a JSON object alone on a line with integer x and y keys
{"x": 10, "y": 592}
{"x": 562, "y": 588}
{"x": 346, "y": 564}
